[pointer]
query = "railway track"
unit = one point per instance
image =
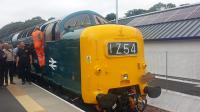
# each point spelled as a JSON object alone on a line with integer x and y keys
{"x": 78, "y": 102}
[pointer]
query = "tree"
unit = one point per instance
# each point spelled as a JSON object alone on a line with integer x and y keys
{"x": 157, "y": 7}
{"x": 36, "y": 18}
{"x": 135, "y": 12}
{"x": 161, "y": 6}
{"x": 51, "y": 18}
{"x": 14, "y": 27}
{"x": 170, "y": 5}
{"x": 111, "y": 16}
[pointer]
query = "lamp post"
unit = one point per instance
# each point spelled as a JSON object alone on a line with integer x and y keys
{"x": 117, "y": 12}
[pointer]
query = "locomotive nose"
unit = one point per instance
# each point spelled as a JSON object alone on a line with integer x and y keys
{"x": 112, "y": 57}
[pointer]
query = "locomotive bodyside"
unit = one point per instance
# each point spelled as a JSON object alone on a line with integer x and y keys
{"x": 66, "y": 54}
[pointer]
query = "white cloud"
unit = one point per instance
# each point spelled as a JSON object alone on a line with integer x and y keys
{"x": 20, "y": 10}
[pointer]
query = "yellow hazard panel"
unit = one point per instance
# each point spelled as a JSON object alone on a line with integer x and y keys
{"x": 112, "y": 56}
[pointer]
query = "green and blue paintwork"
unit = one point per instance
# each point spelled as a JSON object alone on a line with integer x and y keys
{"x": 66, "y": 52}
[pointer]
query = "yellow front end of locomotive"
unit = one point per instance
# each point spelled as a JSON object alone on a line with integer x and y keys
{"x": 112, "y": 56}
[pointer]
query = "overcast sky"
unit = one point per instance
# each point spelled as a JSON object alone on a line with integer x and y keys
{"x": 20, "y": 10}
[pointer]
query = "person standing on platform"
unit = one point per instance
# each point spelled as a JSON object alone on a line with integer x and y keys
{"x": 9, "y": 65}
{"x": 15, "y": 50}
{"x": 23, "y": 62}
{"x": 2, "y": 64}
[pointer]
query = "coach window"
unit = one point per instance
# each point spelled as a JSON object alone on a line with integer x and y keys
{"x": 78, "y": 22}
{"x": 57, "y": 31}
{"x": 99, "y": 20}
{"x": 83, "y": 20}
{"x": 70, "y": 23}
{"x": 24, "y": 34}
{"x": 87, "y": 21}
{"x": 43, "y": 28}
{"x": 30, "y": 32}
{"x": 54, "y": 32}
{"x": 48, "y": 32}
{"x": 20, "y": 35}
{"x": 27, "y": 32}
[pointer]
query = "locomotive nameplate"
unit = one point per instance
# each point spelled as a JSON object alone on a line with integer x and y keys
{"x": 122, "y": 48}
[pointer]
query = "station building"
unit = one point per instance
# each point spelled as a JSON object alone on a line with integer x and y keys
{"x": 172, "y": 41}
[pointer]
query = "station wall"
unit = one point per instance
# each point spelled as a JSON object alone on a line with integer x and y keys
{"x": 179, "y": 58}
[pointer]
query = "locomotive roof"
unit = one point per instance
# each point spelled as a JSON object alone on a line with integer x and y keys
{"x": 81, "y": 12}
{"x": 28, "y": 31}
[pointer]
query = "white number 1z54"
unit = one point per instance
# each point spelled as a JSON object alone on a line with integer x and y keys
{"x": 122, "y": 48}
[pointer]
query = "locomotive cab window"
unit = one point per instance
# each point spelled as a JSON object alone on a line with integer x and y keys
{"x": 99, "y": 20}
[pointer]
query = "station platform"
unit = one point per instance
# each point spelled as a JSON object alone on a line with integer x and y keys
{"x": 176, "y": 102}
{"x": 178, "y": 94}
{"x": 32, "y": 98}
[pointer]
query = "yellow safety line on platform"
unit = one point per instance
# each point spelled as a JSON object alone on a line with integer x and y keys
{"x": 25, "y": 100}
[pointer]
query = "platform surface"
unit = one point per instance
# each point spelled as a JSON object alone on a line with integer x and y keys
{"x": 8, "y": 102}
{"x": 176, "y": 102}
{"x": 32, "y": 98}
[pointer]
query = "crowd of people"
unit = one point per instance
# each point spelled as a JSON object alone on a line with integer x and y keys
{"x": 18, "y": 61}
{"x": 14, "y": 62}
